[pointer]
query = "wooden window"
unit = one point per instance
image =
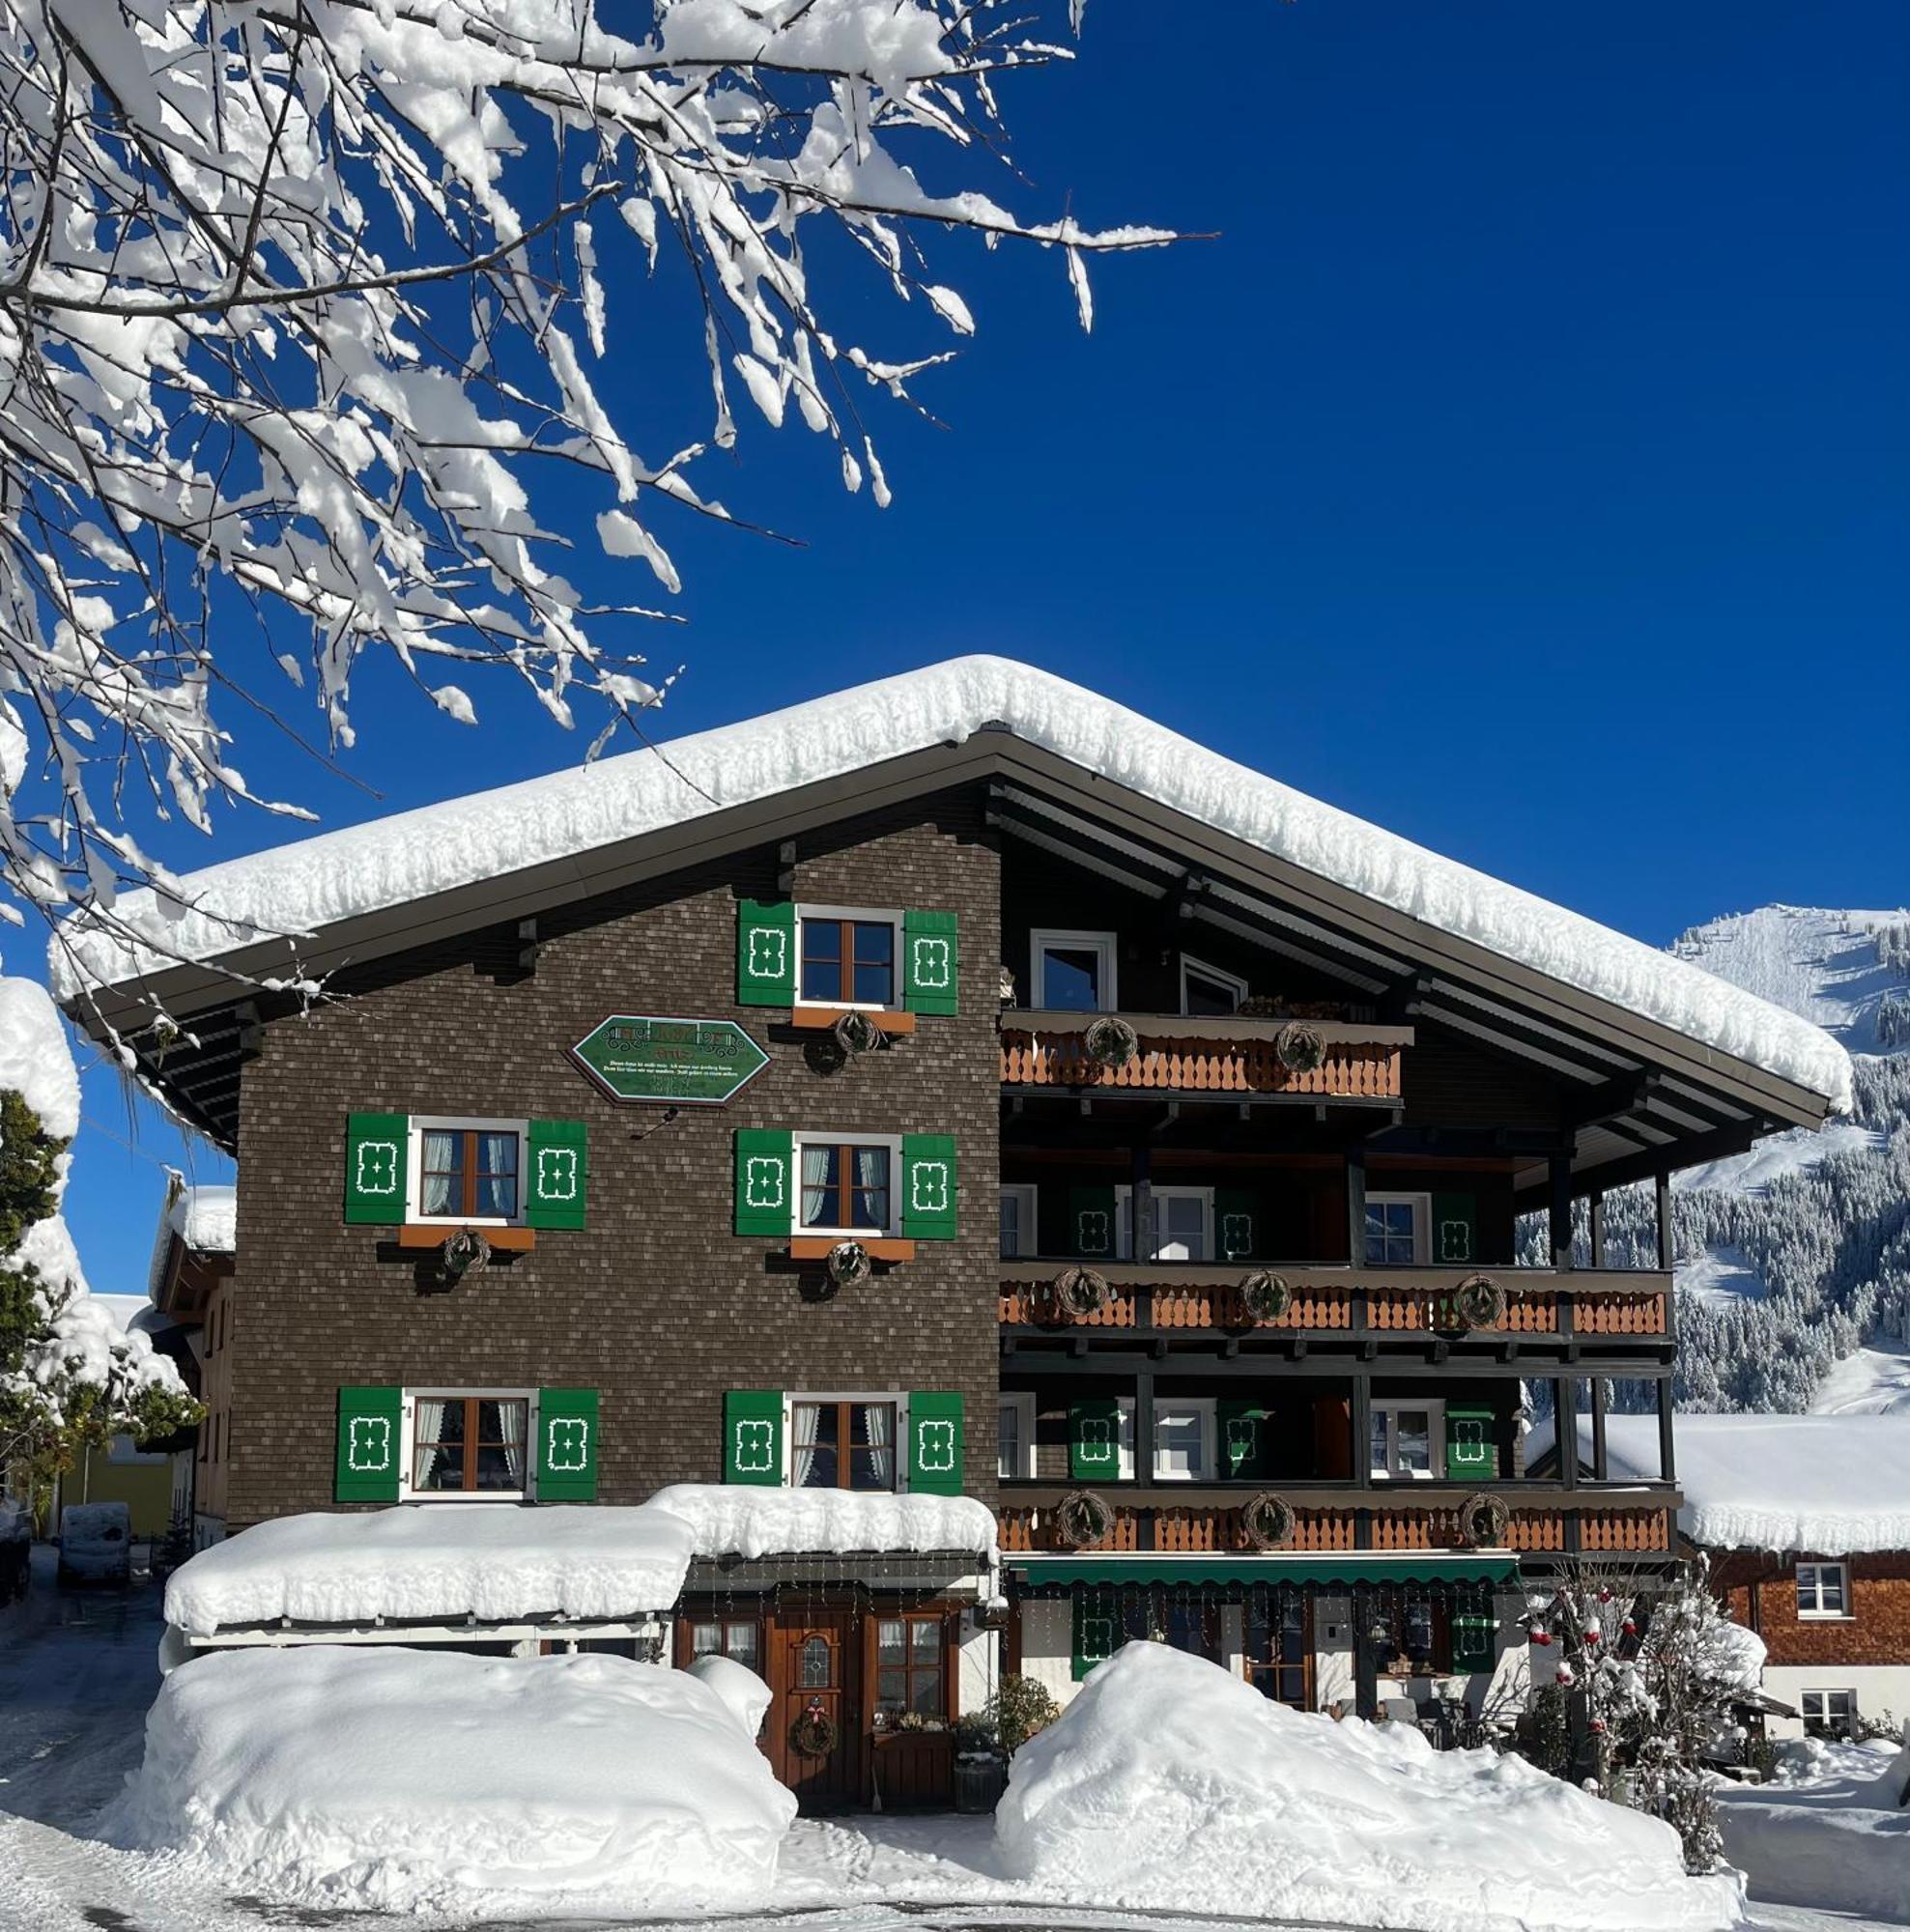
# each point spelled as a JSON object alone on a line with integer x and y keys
{"x": 1183, "y": 1223}
{"x": 843, "y": 1444}
{"x": 738, "y": 1638}
{"x": 1823, "y": 1590}
{"x": 1409, "y": 1439}
{"x": 1073, "y": 972}
{"x": 847, "y": 962}
{"x": 468, "y": 1444}
{"x": 1207, "y": 990}
{"x": 1014, "y": 1434}
{"x": 1396, "y": 1230}
{"x": 1278, "y": 1648}
{"x": 1183, "y": 1439}
{"x": 467, "y": 1172}
{"x": 846, "y": 1186}
{"x": 1417, "y": 1640}
{"x": 1017, "y": 1216}
{"x": 911, "y": 1673}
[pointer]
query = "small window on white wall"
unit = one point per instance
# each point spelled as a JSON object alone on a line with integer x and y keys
{"x": 1828, "y": 1714}
{"x": 1073, "y": 972}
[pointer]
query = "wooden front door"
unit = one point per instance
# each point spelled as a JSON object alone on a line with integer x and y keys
{"x": 817, "y": 1669}
{"x": 1279, "y": 1649}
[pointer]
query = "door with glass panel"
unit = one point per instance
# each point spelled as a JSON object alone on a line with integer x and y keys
{"x": 1279, "y": 1648}
{"x": 911, "y": 1668}
{"x": 817, "y": 1720}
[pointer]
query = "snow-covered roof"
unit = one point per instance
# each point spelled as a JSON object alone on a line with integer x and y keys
{"x": 435, "y": 1562}
{"x": 204, "y": 1218}
{"x": 738, "y": 1520}
{"x": 318, "y": 882}
{"x": 1811, "y": 1485}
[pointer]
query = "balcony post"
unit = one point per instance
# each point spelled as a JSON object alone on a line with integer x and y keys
{"x": 1355, "y": 1204}
{"x": 1361, "y": 1415}
{"x": 1598, "y": 1228}
{"x": 1668, "y": 1464}
{"x": 1600, "y": 1471}
{"x": 1558, "y": 1200}
{"x": 1366, "y": 1664}
{"x": 1140, "y": 1205}
{"x": 1565, "y": 1428}
{"x": 1662, "y": 1183}
{"x": 1144, "y": 1433}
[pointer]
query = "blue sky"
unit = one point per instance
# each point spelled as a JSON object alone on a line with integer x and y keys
{"x": 1521, "y": 467}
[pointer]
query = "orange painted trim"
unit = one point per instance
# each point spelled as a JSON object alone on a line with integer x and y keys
{"x": 821, "y": 1018}
{"x": 433, "y": 1235}
{"x": 816, "y": 1247}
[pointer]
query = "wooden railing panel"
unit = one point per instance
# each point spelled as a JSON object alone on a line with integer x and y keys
{"x": 1349, "y": 1072}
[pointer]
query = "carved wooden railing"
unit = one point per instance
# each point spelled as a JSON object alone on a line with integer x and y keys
{"x": 1203, "y": 1056}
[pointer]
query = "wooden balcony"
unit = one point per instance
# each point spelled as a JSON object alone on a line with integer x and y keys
{"x": 1223, "y": 1057}
{"x": 1204, "y": 1296}
{"x": 1637, "y": 1523}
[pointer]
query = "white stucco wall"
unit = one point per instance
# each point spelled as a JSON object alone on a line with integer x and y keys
{"x": 977, "y": 1667}
{"x": 1048, "y": 1646}
{"x": 1880, "y": 1687}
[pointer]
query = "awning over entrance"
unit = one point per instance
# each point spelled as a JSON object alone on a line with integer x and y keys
{"x": 1146, "y": 1567}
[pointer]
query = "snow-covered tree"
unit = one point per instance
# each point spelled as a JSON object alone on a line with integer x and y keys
{"x": 1586, "y": 1628}
{"x": 69, "y": 1376}
{"x": 304, "y": 301}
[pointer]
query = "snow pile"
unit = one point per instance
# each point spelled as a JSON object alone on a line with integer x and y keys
{"x": 436, "y": 1561}
{"x": 1831, "y": 1832}
{"x": 35, "y": 1059}
{"x": 1820, "y": 1484}
{"x": 1170, "y": 1784}
{"x": 406, "y": 1781}
{"x": 734, "y": 1519}
{"x": 304, "y": 887}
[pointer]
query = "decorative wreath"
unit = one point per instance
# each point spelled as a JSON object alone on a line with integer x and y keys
{"x": 1110, "y": 1041}
{"x": 1301, "y": 1047}
{"x": 1082, "y": 1520}
{"x": 1268, "y": 1522}
{"x": 856, "y": 1032}
{"x": 463, "y": 1251}
{"x": 813, "y": 1734}
{"x": 1266, "y": 1297}
{"x": 1081, "y": 1291}
{"x": 848, "y": 1265}
{"x": 1484, "y": 1520}
{"x": 1480, "y": 1301}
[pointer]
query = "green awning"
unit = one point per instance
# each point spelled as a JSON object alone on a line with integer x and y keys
{"x": 1269, "y": 1571}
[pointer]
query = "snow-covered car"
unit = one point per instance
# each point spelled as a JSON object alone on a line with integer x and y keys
{"x": 96, "y": 1543}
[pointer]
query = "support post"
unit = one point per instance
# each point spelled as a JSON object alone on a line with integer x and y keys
{"x": 1558, "y": 1201}
{"x": 1667, "y": 1462}
{"x": 1662, "y": 1183}
{"x": 1140, "y": 1205}
{"x": 1565, "y": 1428}
{"x": 1366, "y": 1665}
{"x": 1144, "y": 1426}
{"x": 1363, "y": 1429}
{"x": 1598, "y": 1228}
{"x": 1355, "y": 1204}
{"x": 1600, "y": 1471}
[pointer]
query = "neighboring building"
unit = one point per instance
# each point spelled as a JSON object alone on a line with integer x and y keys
{"x": 1806, "y": 1520}
{"x": 191, "y": 1318}
{"x": 1216, "y": 1305}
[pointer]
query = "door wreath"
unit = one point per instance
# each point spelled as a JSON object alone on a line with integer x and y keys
{"x": 813, "y": 1734}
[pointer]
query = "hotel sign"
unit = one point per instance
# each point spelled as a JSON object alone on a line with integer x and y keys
{"x": 691, "y": 1063}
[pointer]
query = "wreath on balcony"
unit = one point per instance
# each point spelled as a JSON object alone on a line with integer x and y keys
{"x": 1301, "y": 1047}
{"x": 1484, "y": 1520}
{"x": 1082, "y": 1520}
{"x": 1266, "y": 1297}
{"x": 1081, "y": 1291}
{"x": 848, "y": 1265}
{"x": 1268, "y": 1522}
{"x": 1480, "y": 1302}
{"x": 1110, "y": 1041}
{"x": 813, "y": 1734}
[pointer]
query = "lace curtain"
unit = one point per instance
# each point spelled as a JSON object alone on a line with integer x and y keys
{"x": 808, "y": 1425}
{"x": 427, "y": 1426}
{"x": 878, "y": 1421}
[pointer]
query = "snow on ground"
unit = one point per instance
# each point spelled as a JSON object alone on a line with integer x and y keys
{"x": 382, "y": 1779}
{"x": 1722, "y": 1275}
{"x": 1833, "y": 1830}
{"x": 741, "y": 1519}
{"x": 303, "y": 887}
{"x": 1832, "y": 1485}
{"x": 436, "y": 1561}
{"x": 1797, "y": 1150}
{"x": 1172, "y": 1783}
{"x": 1873, "y": 1381}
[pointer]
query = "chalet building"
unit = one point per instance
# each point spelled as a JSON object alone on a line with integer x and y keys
{"x": 1806, "y": 1520}
{"x": 960, "y": 1086}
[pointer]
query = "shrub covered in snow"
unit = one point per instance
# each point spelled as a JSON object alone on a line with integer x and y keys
{"x": 408, "y": 1780}
{"x": 1170, "y": 1783}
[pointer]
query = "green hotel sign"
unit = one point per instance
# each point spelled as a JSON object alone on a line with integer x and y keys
{"x": 698, "y": 1062}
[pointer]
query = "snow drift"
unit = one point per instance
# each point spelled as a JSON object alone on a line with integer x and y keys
{"x": 1170, "y": 1784}
{"x": 408, "y": 1782}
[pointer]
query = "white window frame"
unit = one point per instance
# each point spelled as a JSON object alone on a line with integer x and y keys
{"x": 1389, "y": 1408}
{"x": 1203, "y": 1405}
{"x": 1124, "y": 1217}
{"x": 1422, "y": 1225}
{"x": 865, "y": 916}
{"x": 407, "y": 1445}
{"x": 897, "y": 1399}
{"x": 1823, "y": 1717}
{"x": 468, "y": 1123}
{"x": 846, "y": 1137}
{"x": 1216, "y": 974}
{"x": 1817, "y": 1613}
{"x": 1028, "y": 1233}
{"x": 1022, "y": 1402}
{"x": 1045, "y": 938}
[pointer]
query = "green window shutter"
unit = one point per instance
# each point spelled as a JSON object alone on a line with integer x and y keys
{"x": 765, "y": 1181}
{"x": 929, "y": 962}
{"x": 1469, "y": 1449}
{"x": 1245, "y": 1438}
{"x": 370, "y": 1436}
{"x": 928, "y": 1187}
{"x": 1091, "y": 1222}
{"x": 752, "y": 1436}
{"x": 555, "y": 1164}
{"x": 1237, "y": 1234}
{"x": 375, "y": 1146}
{"x": 1097, "y": 1629}
{"x": 567, "y": 1445}
{"x": 1455, "y": 1230}
{"x": 1472, "y": 1643}
{"x": 765, "y": 955}
{"x": 934, "y": 1443}
{"x": 1094, "y": 1439}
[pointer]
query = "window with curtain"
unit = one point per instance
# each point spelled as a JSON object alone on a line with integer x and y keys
{"x": 468, "y": 1444}
{"x": 733, "y": 1637}
{"x": 845, "y": 1185}
{"x": 910, "y": 1674}
{"x": 848, "y": 962}
{"x": 843, "y": 1445}
{"x": 467, "y": 1172}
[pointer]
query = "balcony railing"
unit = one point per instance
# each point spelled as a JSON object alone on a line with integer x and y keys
{"x": 1205, "y": 1295}
{"x": 1204, "y": 1055}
